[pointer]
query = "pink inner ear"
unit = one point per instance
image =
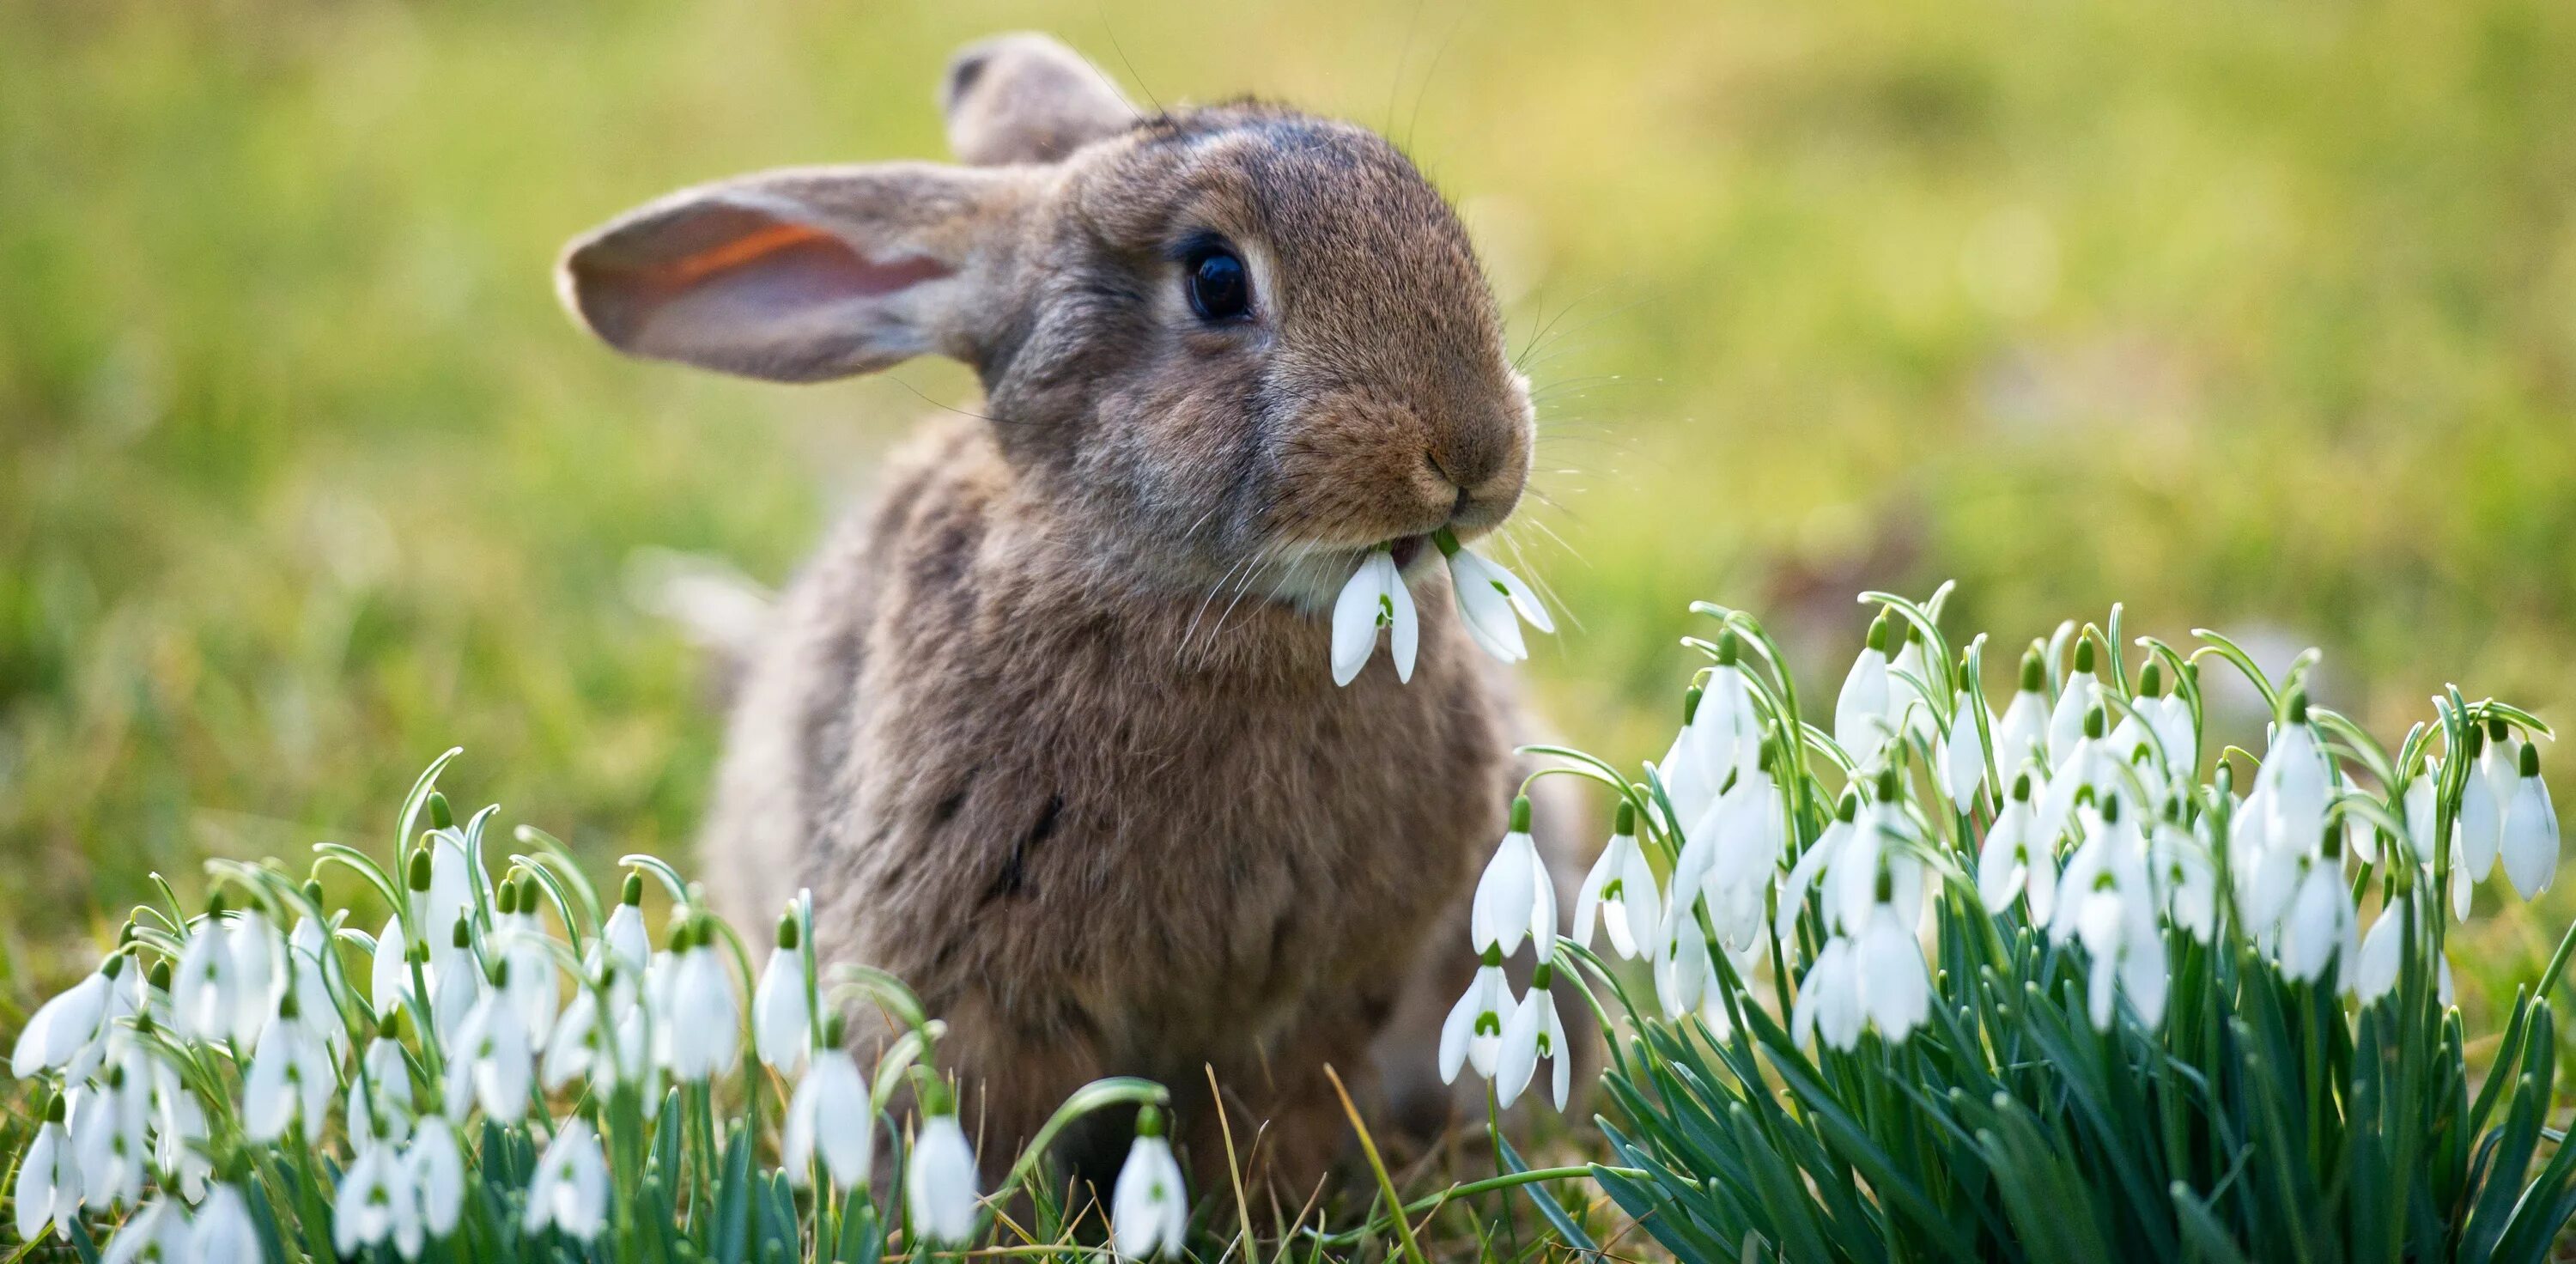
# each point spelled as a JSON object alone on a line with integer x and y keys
{"x": 785, "y": 264}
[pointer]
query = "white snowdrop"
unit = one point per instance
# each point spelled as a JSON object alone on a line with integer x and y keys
{"x": 1374, "y": 598}
{"x": 830, "y": 1113}
{"x": 2530, "y": 831}
{"x": 1621, "y": 891}
{"x": 781, "y": 1018}
{"x": 376, "y": 1203}
{"x": 703, "y": 1021}
{"x": 1149, "y": 1207}
{"x": 2182, "y": 871}
{"x": 1828, "y": 1003}
{"x": 533, "y": 989}
{"x": 939, "y": 1187}
{"x": 158, "y": 1234}
{"x": 490, "y": 1061}
{"x": 2080, "y": 694}
{"x": 1909, "y": 708}
{"x": 48, "y": 1193}
{"x": 1861, "y": 709}
{"x": 68, "y": 1033}
{"x": 110, "y": 1127}
{"x": 1472, "y": 1034}
{"x": 1492, "y": 602}
{"x": 1963, "y": 748}
{"x": 435, "y": 1168}
{"x": 1533, "y": 1034}
{"x": 1895, "y": 985}
{"x": 224, "y": 1232}
{"x": 1515, "y": 898}
{"x": 2477, "y": 835}
{"x": 291, "y": 1076}
{"x": 2320, "y": 923}
{"x": 380, "y": 1097}
{"x": 1724, "y": 735}
{"x": 570, "y": 1192}
{"x": 2383, "y": 958}
{"x": 1686, "y": 979}
{"x": 1813, "y": 864}
{"x": 2016, "y": 861}
{"x": 2021, "y": 735}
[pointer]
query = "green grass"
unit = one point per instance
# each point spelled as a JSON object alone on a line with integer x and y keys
{"x": 2259, "y": 316}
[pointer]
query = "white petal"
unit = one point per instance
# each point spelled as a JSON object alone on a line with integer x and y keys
{"x": 1404, "y": 627}
{"x": 1860, "y": 711}
{"x": 940, "y": 1187}
{"x": 2530, "y": 838}
{"x": 1355, "y": 614}
{"x": 1501, "y": 914}
{"x": 1518, "y": 1058}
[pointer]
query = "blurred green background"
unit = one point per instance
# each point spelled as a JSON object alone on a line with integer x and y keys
{"x": 2254, "y": 316}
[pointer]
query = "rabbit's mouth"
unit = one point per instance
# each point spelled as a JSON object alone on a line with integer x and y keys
{"x": 1407, "y": 548}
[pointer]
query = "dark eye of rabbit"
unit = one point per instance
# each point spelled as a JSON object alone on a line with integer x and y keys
{"x": 1220, "y": 289}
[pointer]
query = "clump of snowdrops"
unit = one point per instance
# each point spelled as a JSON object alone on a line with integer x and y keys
{"x": 2059, "y": 983}
{"x": 508, "y": 1068}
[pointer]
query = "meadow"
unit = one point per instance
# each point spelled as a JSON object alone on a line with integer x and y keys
{"x": 2261, "y": 318}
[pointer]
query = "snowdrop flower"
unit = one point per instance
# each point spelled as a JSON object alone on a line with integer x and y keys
{"x": 571, "y": 1189}
{"x": 48, "y": 1192}
{"x": 939, "y": 1186}
{"x": 622, "y": 939}
{"x": 1963, "y": 749}
{"x": 2106, "y": 901}
{"x": 205, "y": 994}
{"x": 1531, "y": 1035}
{"x": 2167, "y": 715}
{"x": 291, "y": 1074}
{"x": 1492, "y": 602}
{"x": 1875, "y": 850}
{"x": 306, "y": 978}
{"x": 1515, "y": 898}
{"x": 1813, "y": 864}
{"x": 781, "y": 1021}
{"x": 1473, "y": 1033}
{"x": 1909, "y": 711}
{"x": 2530, "y": 830}
{"x": 108, "y": 1128}
{"x": 2382, "y": 957}
{"x": 1374, "y": 598}
{"x": 2320, "y": 923}
{"x": 2081, "y": 693}
{"x": 1745, "y": 832}
{"x": 490, "y": 1061}
{"x": 1686, "y": 978}
{"x": 1895, "y": 986}
{"x": 1149, "y": 1208}
{"x": 158, "y": 1234}
{"x": 375, "y": 1203}
{"x": 68, "y": 1033}
{"x": 435, "y": 1168}
{"x": 224, "y": 1233}
{"x": 2022, "y": 734}
{"x": 831, "y": 1113}
{"x": 702, "y": 1022}
{"x": 1861, "y": 710}
{"x": 179, "y": 1134}
{"x": 1621, "y": 889}
{"x": 1828, "y": 1002}
{"x": 2499, "y": 760}
{"x": 2087, "y": 765}
{"x": 380, "y": 1098}
{"x": 2182, "y": 869}
{"x": 1689, "y": 787}
{"x": 450, "y": 893}
{"x": 585, "y": 1043}
{"x": 389, "y": 976}
{"x": 522, "y": 939}
{"x": 2478, "y": 833}
{"x": 1725, "y": 729}
{"x": 2016, "y": 861}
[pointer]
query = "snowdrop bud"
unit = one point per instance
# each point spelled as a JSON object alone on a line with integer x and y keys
{"x": 440, "y": 815}
{"x": 1963, "y": 750}
{"x": 1149, "y": 1209}
{"x": 939, "y": 1186}
{"x": 66, "y": 1026}
{"x": 781, "y": 1023}
{"x": 2530, "y": 830}
{"x": 416, "y": 877}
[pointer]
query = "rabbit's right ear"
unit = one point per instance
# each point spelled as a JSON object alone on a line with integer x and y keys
{"x": 1026, "y": 98}
{"x": 808, "y": 273}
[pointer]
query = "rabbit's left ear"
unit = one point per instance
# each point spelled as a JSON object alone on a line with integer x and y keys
{"x": 1026, "y": 98}
{"x": 809, "y": 273}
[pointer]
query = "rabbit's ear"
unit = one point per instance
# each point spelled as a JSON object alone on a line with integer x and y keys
{"x": 807, "y": 274}
{"x": 1026, "y": 98}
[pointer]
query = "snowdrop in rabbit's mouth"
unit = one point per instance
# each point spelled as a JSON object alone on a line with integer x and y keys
{"x": 1492, "y": 603}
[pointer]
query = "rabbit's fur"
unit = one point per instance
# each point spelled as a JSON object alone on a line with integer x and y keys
{"x": 1049, "y": 728}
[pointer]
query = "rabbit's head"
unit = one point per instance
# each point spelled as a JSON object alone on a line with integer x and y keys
{"x": 1225, "y": 341}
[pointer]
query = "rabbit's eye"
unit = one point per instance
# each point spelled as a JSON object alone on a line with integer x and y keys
{"x": 1219, "y": 286}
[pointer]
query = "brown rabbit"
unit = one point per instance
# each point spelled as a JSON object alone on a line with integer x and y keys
{"x": 1049, "y": 730}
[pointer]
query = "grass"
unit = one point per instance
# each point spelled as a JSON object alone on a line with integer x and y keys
{"x": 2263, "y": 317}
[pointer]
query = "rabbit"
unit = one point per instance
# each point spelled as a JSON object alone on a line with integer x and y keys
{"x": 1048, "y": 728}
